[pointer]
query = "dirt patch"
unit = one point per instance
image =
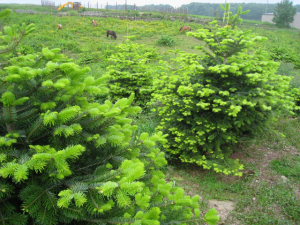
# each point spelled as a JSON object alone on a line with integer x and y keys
{"x": 261, "y": 157}
{"x": 256, "y": 160}
{"x": 297, "y": 192}
{"x": 223, "y": 208}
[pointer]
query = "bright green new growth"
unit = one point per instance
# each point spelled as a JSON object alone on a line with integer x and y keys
{"x": 233, "y": 20}
{"x": 130, "y": 72}
{"x": 208, "y": 102}
{"x": 295, "y": 94}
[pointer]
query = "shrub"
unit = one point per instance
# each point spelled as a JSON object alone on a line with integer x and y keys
{"x": 166, "y": 41}
{"x": 206, "y": 103}
{"x": 67, "y": 158}
{"x": 130, "y": 72}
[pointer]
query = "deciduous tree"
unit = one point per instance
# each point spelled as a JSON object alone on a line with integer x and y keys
{"x": 284, "y": 14}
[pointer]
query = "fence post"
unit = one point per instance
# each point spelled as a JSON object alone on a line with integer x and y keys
{"x": 116, "y": 6}
{"x": 97, "y": 5}
{"x": 107, "y": 5}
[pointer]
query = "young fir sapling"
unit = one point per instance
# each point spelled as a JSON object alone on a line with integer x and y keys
{"x": 206, "y": 103}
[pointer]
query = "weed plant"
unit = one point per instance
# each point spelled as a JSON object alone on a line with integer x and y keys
{"x": 166, "y": 41}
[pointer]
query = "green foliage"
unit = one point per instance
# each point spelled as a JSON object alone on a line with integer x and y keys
{"x": 211, "y": 217}
{"x": 25, "y": 49}
{"x": 233, "y": 20}
{"x": 166, "y": 40}
{"x": 130, "y": 72}
{"x": 71, "y": 159}
{"x": 206, "y": 103}
{"x": 284, "y": 14}
{"x": 295, "y": 94}
{"x": 285, "y": 54}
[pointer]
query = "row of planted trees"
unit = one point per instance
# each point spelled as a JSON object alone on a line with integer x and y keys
{"x": 69, "y": 153}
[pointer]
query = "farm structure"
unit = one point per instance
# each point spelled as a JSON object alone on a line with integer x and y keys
{"x": 267, "y": 17}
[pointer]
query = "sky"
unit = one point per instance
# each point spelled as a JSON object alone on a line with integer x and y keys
{"x": 175, "y": 3}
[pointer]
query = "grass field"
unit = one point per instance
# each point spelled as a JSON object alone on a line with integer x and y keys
{"x": 268, "y": 192}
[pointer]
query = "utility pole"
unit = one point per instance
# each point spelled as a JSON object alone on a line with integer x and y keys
{"x": 267, "y": 7}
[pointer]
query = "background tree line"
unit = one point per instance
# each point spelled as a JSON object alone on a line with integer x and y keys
{"x": 160, "y": 7}
{"x": 213, "y": 9}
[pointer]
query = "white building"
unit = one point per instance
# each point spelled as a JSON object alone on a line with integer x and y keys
{"x": 267, "y": 17}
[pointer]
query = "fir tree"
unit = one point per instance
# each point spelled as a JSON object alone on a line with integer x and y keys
{"x": 206, "y": 103}
{"x": 130, "y": 72}
{"x": 68, "y": 158}
{"x": 233, "y": 20}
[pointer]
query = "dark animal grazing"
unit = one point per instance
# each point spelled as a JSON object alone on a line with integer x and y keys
{"x": 185, "y": 28}
{"x": 59, "y": 26}
{"x": 207, "y": 29}
{"x": 94, "y": 22}
{"x": 112, "y": 33}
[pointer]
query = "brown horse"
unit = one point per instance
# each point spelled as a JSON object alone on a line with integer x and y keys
{"x": 59, "y": 26}
{"x": 112, "y": 33}
{"x": 207, "y": 29}
{"x": 185, "y": 28}
{"x": 94, "y": 22}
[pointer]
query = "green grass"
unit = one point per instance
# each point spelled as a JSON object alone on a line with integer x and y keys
{"x": 287, "y": 166}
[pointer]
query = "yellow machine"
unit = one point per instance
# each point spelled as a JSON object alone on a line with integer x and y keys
{"x": 75, "y": 5}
